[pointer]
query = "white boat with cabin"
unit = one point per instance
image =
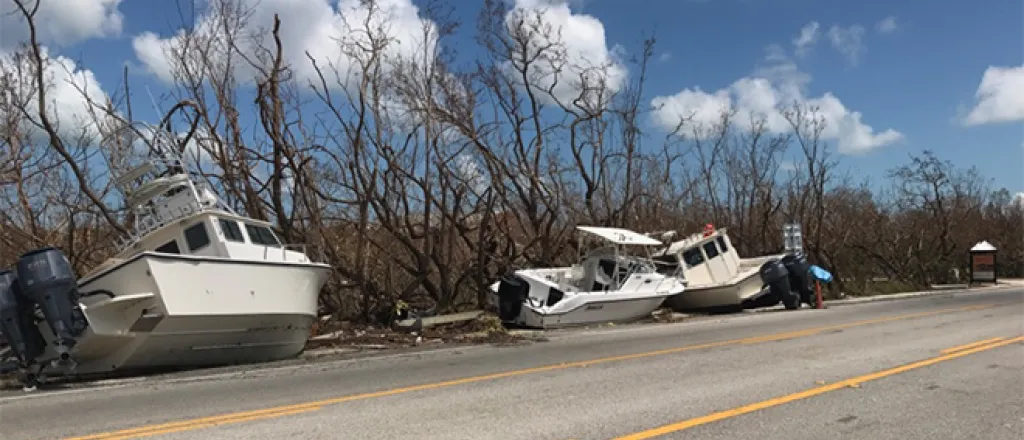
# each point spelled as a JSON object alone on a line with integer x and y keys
{"x": 719, "y": 279}
{"x": 607, "y": 285}
{"x": 194, "y": 284}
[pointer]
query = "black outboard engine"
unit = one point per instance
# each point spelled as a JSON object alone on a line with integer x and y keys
{"x": 45, "y": 277}
{"x": 511, "y": 293}
{"x": 799, "y": 276}
{"x": 17, "y": 321}
{"x": 776, "y": 277}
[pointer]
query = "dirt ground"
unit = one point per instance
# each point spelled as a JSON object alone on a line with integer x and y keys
{"x": 486, "y": 330}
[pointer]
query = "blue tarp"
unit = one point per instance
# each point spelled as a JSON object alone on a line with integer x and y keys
{"x": 821, "y": 274}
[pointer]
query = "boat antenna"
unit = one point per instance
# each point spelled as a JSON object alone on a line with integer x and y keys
{"x": 159, "y": 149}
{"x": 152, "y": 100}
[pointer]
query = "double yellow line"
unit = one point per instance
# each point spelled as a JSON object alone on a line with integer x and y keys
{"x": 247, "y": 416}
{"x": 948, "y": 354}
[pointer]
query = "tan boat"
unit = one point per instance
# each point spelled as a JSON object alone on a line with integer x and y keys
{"x": 717, "y": 278}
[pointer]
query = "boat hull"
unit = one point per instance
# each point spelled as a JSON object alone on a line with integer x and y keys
{"x": 184, "y": 311}
{"x": 732, "y": 296}
{"x": 637, "y": 298}
{"x": 595, "y": 310}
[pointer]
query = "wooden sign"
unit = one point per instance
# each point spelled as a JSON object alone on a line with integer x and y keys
{"x": 983, "y": 267}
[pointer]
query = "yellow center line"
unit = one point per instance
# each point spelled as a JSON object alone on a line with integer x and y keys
{"x": 212, "y": 424}
{"x": 852, "y": 382}
{"x": 971, "y": 345}
{"x": 198, "y": 423}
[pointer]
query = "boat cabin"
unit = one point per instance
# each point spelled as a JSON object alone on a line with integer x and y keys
{"x": 603, "y": 270}
{"x": 704, "y": 258}
{"x": 217, "y": 235}
{"x": 608, "y": 266}
{"x": 175, "y": 215}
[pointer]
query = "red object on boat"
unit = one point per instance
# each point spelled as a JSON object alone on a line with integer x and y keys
{"x": 709, "y": 229}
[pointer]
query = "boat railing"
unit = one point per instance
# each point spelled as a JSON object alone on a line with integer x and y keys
{"x": 302, "y": 249}
{"x": 637, "y": 266}
{"x": 146, "y": 223}
{"x": 670, "y": 276}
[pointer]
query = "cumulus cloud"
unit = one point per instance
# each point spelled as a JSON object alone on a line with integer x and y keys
{"x": 317, "y": 26}
{"x": 66, "y": 86}
{"x": 999, "y": 98}
{"x": 320, "y": 27}
{"x": 766, "y": 94}
{"x": 61, "y": 22}
{"x": 581, "y": 59}
{"x": 808, "y": 37}
{"x": 57, "y": 24}
{"x": 848, "y": 41}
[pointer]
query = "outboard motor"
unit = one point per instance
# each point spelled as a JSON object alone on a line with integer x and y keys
{"x": 45, "y": 277}
{"x": 511, "y": 293}
{"x": 17, "y": 321}
{"x": 799, "y": 276}
{"x": 776, "y": 277}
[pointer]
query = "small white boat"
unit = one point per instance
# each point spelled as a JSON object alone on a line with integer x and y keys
{"x": 194, "y": 284}
{"x": 608, "y": 285}
{"x": 719, "y": 279}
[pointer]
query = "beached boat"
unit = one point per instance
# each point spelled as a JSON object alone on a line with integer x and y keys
{"x": 607, "y": 285}
{"x": 717, "y": 278}
{"x": 194, "y": 284}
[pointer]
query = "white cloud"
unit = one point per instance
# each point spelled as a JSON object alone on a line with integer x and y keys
{"x": 888, "y": 25}
{"x": 319, "y": 27}
{"x": 61, "y": 22}
{"x": 665, "y": 56}
{"x": 582, "y": 47}
{"x": 848, "y": 41}
{"x": 66, "y": 105}
{"x": 57, "y": 24}
{"x": 153, "y": 53}
{"x": 808, "y": 37}
{"x": 999, "y": 98}
{"x": 766, "y": 93}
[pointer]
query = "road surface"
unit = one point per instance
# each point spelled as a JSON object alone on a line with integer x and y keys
{"x": 946, "y": 367}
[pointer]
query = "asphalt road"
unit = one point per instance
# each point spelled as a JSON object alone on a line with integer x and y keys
{"x": 887, "y": 370}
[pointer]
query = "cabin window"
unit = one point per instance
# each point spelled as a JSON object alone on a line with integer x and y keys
{"x": 261, "y": 235}
{"x": 666, "y": 264}
{"x": 693, "y": 257}
{"x": 231, "y": 230}
{"x": 196, "y": 237}
{"x": 171, "y": 247}
{"x": 721, "y": 243}
{"x": 711, "y": 249}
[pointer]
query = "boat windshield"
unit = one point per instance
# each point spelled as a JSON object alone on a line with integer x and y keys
{"x": 626, "y": 265}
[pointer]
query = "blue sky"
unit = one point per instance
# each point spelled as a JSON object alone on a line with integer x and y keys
{"x": 919, "y": 79}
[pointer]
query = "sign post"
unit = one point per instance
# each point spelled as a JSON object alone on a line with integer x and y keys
{"x": 793, "y": 237}
{"x": 983, "y": 263}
